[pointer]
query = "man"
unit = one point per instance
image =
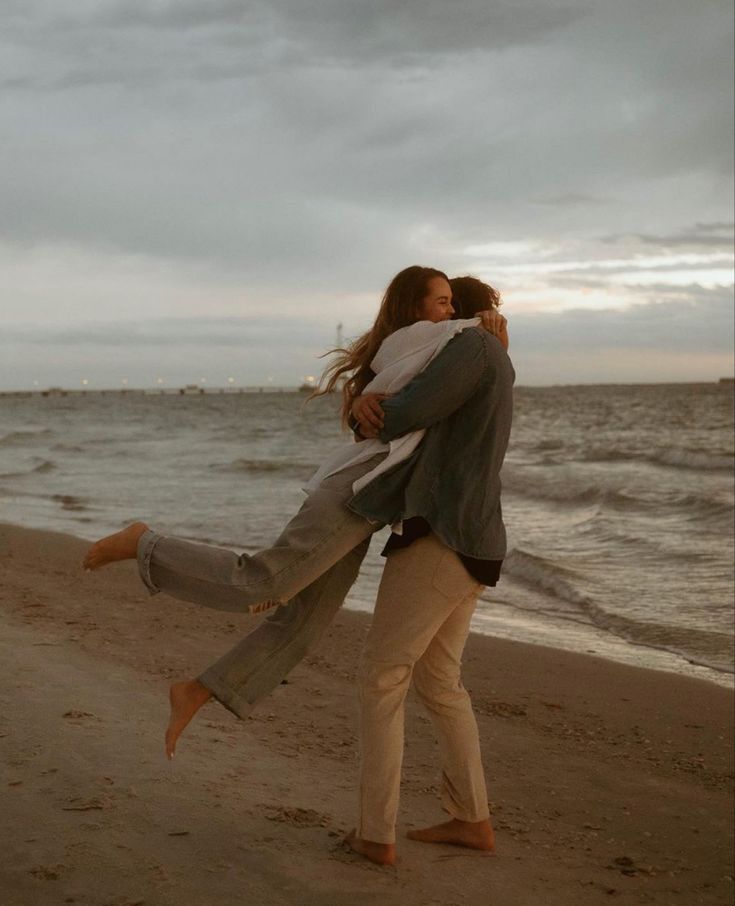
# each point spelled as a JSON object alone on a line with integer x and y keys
{"x": 453, "y": 540}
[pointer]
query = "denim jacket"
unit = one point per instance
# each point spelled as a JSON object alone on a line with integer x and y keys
{"x": 464, "y": 398}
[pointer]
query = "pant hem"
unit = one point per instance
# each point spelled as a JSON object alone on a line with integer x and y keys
{"x": 147, "y": 541}
{"x": 383, "y": 838}
{"x": 234, "y": 703}
{"x": 470, "y": 817}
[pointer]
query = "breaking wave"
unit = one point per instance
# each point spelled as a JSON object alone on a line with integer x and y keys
{"x": 285, "y": 467}
{"x": 45, "y": 467}
{"x": 699, "y": 646}
{"x": 19, "y": 438}
{"x": 692, "y": 460}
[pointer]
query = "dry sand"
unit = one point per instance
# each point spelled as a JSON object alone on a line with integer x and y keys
{"x": 609, "y": 784}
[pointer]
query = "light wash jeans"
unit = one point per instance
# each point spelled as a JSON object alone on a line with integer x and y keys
{"x": 312, "y": 566}
{"x": 258, "y": 663}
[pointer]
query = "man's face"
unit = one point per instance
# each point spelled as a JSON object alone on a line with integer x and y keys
{"x": 437, "y": 303}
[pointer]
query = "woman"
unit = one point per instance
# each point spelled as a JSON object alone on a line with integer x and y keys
{"x": 323, "y": 534}
{"x": 421, "y": 621}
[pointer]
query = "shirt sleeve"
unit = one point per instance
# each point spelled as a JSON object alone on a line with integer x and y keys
{"x": 444, "y": 385}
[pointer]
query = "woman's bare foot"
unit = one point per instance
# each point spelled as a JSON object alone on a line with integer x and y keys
{"x": 379, "y": 853}
{"x": 120, "y": 546}
{"x": 186, "y": 699}
{"x": 474, "y": 834}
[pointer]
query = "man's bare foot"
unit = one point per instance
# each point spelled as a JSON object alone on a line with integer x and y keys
{"x": 120, "y": 546}
{"x": 379, "y": 853}
{"x": 186, "y": 699}
{"x": 474, "y": 834}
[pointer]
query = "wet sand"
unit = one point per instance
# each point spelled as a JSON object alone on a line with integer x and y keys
{"x": 608, "y": 783}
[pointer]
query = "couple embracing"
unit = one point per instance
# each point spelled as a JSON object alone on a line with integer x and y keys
{"x": 428, "y": 393}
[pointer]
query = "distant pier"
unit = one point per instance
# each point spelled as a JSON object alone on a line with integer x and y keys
{"x": 188, "y": 390}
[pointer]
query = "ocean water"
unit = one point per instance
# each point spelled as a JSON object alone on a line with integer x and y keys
{"x": 618, "y": 500}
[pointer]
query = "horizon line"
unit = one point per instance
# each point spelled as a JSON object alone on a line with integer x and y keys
{"x": 196, "y": 389}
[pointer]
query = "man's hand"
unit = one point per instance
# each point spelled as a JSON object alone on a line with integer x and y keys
{"x": 368, "y": 413}
{"x": 496, "y": 324}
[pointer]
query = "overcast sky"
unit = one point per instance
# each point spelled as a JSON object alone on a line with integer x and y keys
{"x": 205, "y": 188}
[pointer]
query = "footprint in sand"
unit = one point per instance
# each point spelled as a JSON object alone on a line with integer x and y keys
{"x": 298, "y": 817}
{"x": 500, "y": 709}
{"x": 88, "y": 805}
{"x": 77, "y": 715}
{"x": 47, "y": 872}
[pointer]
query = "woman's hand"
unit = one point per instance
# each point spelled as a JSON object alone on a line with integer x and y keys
{"x": 367, "y": 412}
{"x": 496, "y": 324}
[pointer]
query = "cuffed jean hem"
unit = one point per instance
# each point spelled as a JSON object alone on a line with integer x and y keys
{"x": 147, "y": 541}
{"x": 224, "y": 694}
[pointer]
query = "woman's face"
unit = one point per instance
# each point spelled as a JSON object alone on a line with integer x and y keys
{"x": 437, "y": 303}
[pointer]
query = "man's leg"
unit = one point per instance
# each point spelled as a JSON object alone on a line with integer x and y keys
{"x": 421, "y": 586}
{"x": 258, "y": 663}
{"x": 436, "y": 679}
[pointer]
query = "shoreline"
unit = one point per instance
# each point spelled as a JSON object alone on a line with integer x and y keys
{"x": 606, "y": 781}
{"x": 512, "y": 643}
{"x": 619, "y": 650}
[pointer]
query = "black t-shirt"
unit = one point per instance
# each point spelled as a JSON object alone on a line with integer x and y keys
{"x": 486, "y": 572}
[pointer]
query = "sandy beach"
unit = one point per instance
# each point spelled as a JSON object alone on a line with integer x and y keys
{"x": 608, "y": 783}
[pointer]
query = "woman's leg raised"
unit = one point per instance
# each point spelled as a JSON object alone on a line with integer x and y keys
{"x": 322, "y": 532}
{"x": 259, "y": 662}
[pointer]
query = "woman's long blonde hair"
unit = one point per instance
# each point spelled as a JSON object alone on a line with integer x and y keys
{"x": 400, "y": 306}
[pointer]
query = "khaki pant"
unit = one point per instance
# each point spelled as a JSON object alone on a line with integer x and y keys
{"x": 421, "y": 623}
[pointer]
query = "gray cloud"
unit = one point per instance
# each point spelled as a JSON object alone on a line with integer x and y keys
{"x": 317, "y": 148}
{"x": 336, "y": 30}
{"x": 715, "y": 235}
{"x": 278, "y": 132}
{"x": 570, "y": 199}
{"x": 687, "y": 335}
{"x": 681, "y": 318}
{"x": 243, "y": 333}
{"x": 687, "y": 319}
